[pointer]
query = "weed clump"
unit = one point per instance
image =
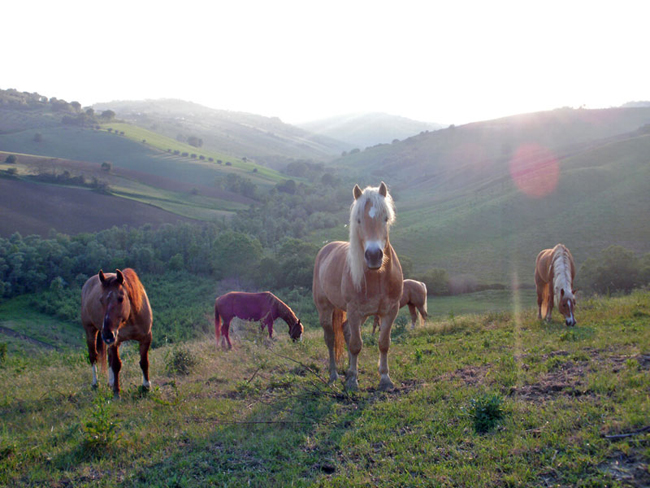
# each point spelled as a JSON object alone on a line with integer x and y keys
{"x": 180, "y": 361}
{"x": 486, "y": 412}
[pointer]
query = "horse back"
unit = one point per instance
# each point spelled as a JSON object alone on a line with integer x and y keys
{"x": 246, "y": 306}
{"x": 543, "y": 267}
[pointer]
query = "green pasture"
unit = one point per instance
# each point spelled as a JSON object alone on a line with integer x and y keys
{"x": 555, "y": 406}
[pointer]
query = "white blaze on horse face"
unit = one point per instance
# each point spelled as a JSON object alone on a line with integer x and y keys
{"x": 372, "y": 212}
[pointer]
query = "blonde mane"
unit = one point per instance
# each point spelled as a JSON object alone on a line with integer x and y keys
{"x": 384, "y": 207}
{"x": 561, "y": 271}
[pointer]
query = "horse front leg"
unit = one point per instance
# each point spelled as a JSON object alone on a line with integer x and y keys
{"x": 114, "y": 367}
{"x": 387, "y": 320}
{"x": 91, "y": 338}
{"x": 144, "y": 361}
{"x": 355, "y": 343}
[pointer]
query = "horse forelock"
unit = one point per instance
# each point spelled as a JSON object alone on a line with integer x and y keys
{"x": 381, "y": 207}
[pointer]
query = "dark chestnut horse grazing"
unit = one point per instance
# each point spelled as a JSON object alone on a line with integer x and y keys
{"x": 414, "y": 295}
{"x": 265, "y": 307}
{"x": 358, "y": 279}
{"x": 114, "y": 309}
{"x": 554, "y": 274}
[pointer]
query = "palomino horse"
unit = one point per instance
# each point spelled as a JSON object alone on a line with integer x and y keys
{"x": 414, "y": 295}
{"x": 554, "y": 273}
{"x": 117, "y": 306}
{"x": 265, "y": 307}
{"x": 358, "y": 279}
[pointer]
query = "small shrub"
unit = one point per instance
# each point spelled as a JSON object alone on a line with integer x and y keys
{"x": 3, "y": 352}
{"x": 486, "y": 412}
{"x": 100, "y": 427}
{"x": 180, "y": 361}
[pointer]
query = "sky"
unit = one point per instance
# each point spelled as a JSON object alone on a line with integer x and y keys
{"x": 450, "y": 62}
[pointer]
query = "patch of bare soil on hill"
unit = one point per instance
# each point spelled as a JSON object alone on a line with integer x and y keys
{"x": 31, "y": 208}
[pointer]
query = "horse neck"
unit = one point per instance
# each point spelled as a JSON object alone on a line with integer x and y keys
{"x": 282, "y": 310}
{"x": 561, "y": 272}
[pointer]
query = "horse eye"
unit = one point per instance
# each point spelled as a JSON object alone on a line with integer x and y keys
{"x": 386, "y": 219}
{"x": 358, "y": 221}
{"x": 120, "y": 299}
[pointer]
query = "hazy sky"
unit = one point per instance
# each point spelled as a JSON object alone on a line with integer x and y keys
{"x": 451, "y": 62}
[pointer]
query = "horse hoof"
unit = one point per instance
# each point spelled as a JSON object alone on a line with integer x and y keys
{"x": 352, "y": 384}
{"x": 386, "y": 384}
{"x": 333, "y": 378}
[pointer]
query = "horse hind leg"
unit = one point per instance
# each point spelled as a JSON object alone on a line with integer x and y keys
{"x": 225, "y": 335}
{"x": 414, "y": 315}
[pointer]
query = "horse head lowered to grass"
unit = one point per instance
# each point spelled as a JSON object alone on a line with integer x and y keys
{"x": 356, "y": 279}
{"x": 114, "y": 309}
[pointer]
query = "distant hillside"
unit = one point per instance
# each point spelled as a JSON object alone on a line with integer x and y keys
{"x": 368, "y": 129}
{"x": 266, "y": 140}
{"x": 459, "y": 207}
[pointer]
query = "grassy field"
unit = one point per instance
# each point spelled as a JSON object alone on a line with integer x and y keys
{"x": 481, "y": 400}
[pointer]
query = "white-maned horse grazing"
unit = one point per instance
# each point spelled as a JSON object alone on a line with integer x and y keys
{"x": 357, "y": 279}
{"x": 554, "y": 274}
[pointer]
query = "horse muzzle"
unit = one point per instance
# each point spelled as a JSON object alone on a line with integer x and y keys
{"x": 374, "y": 258}
{"x": 108, "y": 336}
{"x": 570, "y": 322}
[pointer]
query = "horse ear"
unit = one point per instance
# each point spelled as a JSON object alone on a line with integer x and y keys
{"x": 383, "y": 189}
{"x": 356, "y": 192}
{"x": 102, "y": 278}
{"x": 120, "y": 276}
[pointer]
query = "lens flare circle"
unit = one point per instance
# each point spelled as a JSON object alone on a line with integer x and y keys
{"x": 535, "y": 170}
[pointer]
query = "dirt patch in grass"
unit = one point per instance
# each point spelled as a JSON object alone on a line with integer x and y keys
{"x": 629, "y": 469}
{"x": 470, "y": 375}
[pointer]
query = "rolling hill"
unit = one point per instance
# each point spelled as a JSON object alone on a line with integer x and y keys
{"x": 266, "y": 140}
{"x": 483, "y": 199}
{"x": 368, "y": 129}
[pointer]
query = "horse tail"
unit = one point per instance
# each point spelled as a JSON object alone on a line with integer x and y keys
{"x": 217, "y": 324}
{"x": 546, "y": 299}
{"x": 101, "y": 352}
{"x": 426, "y": 295}
{"x": 338, "y": 318}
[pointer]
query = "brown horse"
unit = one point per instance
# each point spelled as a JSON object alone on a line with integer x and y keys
{"x": 358, "y": 279}
{"x": 414, "y": 295}
{"x": 114, "y": 309}
{"x": 265, "y": 307}
{"x": 554, "y": 274}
